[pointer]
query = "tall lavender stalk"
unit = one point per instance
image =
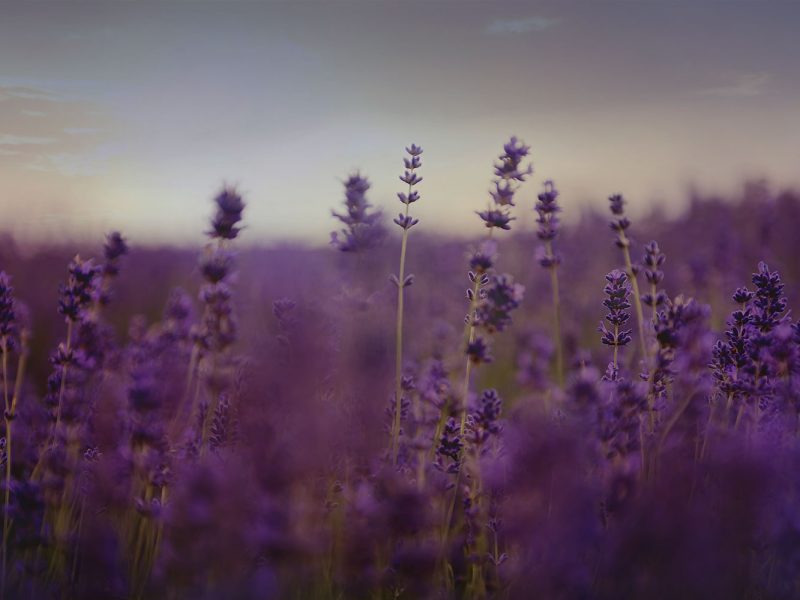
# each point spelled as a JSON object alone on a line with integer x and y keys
{"x": 219, "y": 325}
{"x": 491, "y": 299}
{"x": 405, "y": 222}
{"x": 652, "y": 261}
{"x": 77, "y": 299}
{"x": 509, "y": 172}
{"x": 620, "y": 223}
{"x": 217, "y": 328}
{"x": 548, "y": 209}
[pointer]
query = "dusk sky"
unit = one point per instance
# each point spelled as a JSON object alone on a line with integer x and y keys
{"x": 131, "y": 115}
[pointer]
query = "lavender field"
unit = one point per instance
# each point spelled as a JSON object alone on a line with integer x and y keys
{"x": 607, "y": 408}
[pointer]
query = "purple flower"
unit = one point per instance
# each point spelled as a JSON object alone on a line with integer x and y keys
{"x": 652, "y": 261}
{"x": 363, "y": 230}
{"x": 503, "y": 194}
{"x": 483, "y": 258}
{"x": 81, "y": 289}
{"x": 618, "y": 290}
{"x": 114, "y": 248}
{"x": 483, "y": 423}
{"x": 496, "y": 217}
{"x": 617, "y": 204}
{"x": 229, "y": 212}
{"x": 501, "y": 296}
{"x": 769, "y": 302}
{"x": 7, "y": 315}
{"x": 478, "y": 351}
{"x": 215, "y": 265}
{"x": 510, "y": 165}
{"x": 449, "y": 448}
{"x": 548, "y": 209}
{"x": 507, "y": 171}
{"x": 404, "y": 221}
{"x": 620, "y": 223}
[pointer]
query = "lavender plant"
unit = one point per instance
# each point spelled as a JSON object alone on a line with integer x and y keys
{"x": 509, "y": 173}
{"x": 238, "y": 450}
{"x": 402, "y": 281}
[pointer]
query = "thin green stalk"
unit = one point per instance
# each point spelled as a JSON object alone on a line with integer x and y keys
{"x": 470, "y": 338}
{"x": 64, "y": 370}
{"x": 473, "y": 304}
{"x": 637, "y": 298}
{"x": 651, "y": 409}
{"x": 4, "y": 346}
{"x": 176, "y": 418}
{"x": 556, "y": 318}
{"x": 398, "y": 389}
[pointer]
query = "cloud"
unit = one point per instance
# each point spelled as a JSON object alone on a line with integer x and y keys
{"x": 9, "y": 139}
{"x": 521, "y": 25}
{"x": 11, "y": 92}
{"x": 42, "y": 131}
{"x": 740, "y": 85}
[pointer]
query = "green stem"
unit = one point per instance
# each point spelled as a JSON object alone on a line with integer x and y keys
{"x": 470, "y": 338}
{"x": 4, "y": 347}
{"x": 556, "y": 318}
{"x": 398, "y": 390}
{"x": 637, "y": 298}
{"x": 64, "y": 370}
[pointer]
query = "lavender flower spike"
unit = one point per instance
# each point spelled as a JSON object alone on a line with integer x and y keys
{"x": 508, "y": 173}
{"x": 363, "y": 229}
{"x": 618, "y": 291}
{"x": 229, "y": 212}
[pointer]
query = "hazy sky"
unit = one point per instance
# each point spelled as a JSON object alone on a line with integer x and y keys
{"x": 131, "y": 115}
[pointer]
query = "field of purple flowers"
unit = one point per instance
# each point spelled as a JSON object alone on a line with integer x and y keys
{"x": 577, "y": 411}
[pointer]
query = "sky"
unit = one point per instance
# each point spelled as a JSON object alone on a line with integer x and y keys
{"x": 131, "y": 116}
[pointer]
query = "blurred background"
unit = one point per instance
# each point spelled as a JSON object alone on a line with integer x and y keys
{"x": 131, "y": 115}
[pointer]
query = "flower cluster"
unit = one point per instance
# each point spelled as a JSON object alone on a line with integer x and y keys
{"x": 363, "y": 229}
{"x": 547, "y": 208}
{"x": 410, "y": 178}
{"x": 484, "y": 422}
{"x": 80, "y": 290}
{"x": 620, "y": 419}
{"x": 508, "y": 171}
{"x": 230, "y": 205}
{"x": 651, "y": 262}
{"x": 617, "y": 291}
{"x": 620, "y": 223}
{"x": 449, "y": 450}
{"x": 499, "y": 297}
{"x": 7, "y": 315}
